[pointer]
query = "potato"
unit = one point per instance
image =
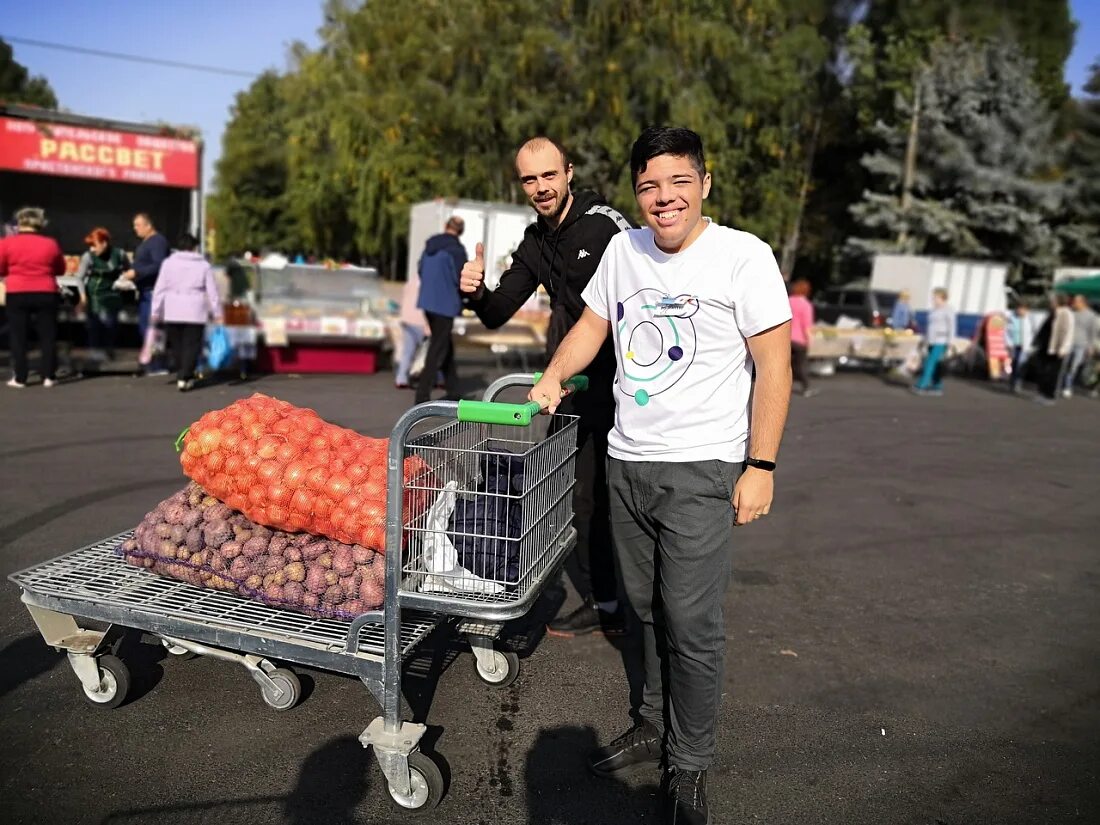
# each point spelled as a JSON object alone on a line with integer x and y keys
{"x": 302, "y": 539}
{"x": 333, "y": 596}
{"x": 279, "y": 577}
{"x": 273, "y": 563}
{"x": 310, "y": 601}
{"x": 325, "y": 560}
{"x": 314, "y": 550}
{"x": 293, "y": 592}
{"x": 361, "y": 554}
{"x": 315, "y": 580}
{"x": 293, "y": 554}
{"x": 129, "y": 546}
{"x": 296, "y": 571}
{"x": 353, "y": 607}
{"x": 331, "y": 577}
{"x": 194, "y": 539}
{"x": 216, "y": 532}
{"x": 208, "y": 502}
{"x": 343, "y": 562}
{"x": 240, "y": 569}
{"x": 218, "y": 563}
{"x": 196, "y": 559}
{"x": 231, "y": 549}
{"x": 274, "y": 593}
{"x": 370, "y": 593}
{"x": 254, "y": 582}
{"x": 254, "y": 547}
{"x": 278, "y": 544}
{"x": 219, "y": 512}
{"x": 163, "y": 530}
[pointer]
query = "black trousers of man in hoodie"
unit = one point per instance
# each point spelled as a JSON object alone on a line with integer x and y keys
{"x": 591, "y": 567}
{"x": 440, "y": 358}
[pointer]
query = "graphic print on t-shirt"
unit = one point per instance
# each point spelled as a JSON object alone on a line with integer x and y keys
{"x": 656, "y": 342}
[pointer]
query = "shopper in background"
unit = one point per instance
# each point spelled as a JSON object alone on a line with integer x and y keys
{"x": 185, "y": 298}
{"x": 150, "y": 254}
{"x": 100, "y": 267}
{"x": 1055, "y": 344}
{"x": 30, "y": 264}
{"x": 442, "y": 260}
{"x": 902, "y": 315}
{"x": 802, "y": 324}
{"x": 941, "y": 329}
{"x": 1020, "y": 334}
{"x": 414, "y": 329}
{"x": 1086, "y": 329}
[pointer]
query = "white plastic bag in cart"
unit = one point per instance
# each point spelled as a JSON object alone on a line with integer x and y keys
{"x": 440, "y": 556}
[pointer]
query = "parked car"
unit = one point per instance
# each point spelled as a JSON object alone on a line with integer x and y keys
{"x": 871, "y": 307}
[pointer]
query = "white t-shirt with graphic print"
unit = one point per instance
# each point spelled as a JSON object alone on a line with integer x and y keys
{"x": 679, "y": 322}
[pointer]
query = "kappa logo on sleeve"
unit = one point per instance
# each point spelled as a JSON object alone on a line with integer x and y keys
{"x": 584, "y": 253}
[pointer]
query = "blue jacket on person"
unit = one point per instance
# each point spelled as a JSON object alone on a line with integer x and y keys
{"x": 148, "y": 257}
{"x": 439, "y": 268}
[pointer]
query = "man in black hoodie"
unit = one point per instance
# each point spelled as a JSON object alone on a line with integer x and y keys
{"x": 561, "y": 251}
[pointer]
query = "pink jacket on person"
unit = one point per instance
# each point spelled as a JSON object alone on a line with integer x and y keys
{"x": 186, "y": 292}
{"x": 802, "y": 320}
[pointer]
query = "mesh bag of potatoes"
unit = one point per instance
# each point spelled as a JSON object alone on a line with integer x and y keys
{"x": 195, "y": 538}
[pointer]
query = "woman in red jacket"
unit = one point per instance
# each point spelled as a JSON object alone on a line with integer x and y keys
{"x": 30, "y": 264}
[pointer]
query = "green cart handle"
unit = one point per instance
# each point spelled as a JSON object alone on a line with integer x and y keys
{"x": 516, "y": 415}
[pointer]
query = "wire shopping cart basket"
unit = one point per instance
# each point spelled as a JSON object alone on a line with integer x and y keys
{"x": 490, "y": 521}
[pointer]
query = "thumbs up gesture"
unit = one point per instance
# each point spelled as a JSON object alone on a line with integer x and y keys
{"x": 473, "y": 273}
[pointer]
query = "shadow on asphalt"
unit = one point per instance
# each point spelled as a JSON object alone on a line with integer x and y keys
{"x": 24, "y": 659}
{"x": 332, "y": 784}
{"x": 561, "y": 791}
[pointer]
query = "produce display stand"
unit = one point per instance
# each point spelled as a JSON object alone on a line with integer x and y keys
{"x": 67, "y": 596}
{"x": 318, "y": 320}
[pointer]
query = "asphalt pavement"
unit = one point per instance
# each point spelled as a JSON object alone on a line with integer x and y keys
{"x": 914, "y": 636}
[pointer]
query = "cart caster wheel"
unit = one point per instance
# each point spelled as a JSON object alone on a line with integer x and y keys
{"x": 181, "y": 654}
{"x": 427, "y": 785}
{"x": 290, "y": 686}
{"x": 507, "y": 669}
{"x": 114, "y": 683}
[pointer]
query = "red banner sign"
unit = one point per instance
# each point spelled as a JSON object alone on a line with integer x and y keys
{"x": 103, "y": 154}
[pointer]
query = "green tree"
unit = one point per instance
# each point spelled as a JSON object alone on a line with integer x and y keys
{"x": 249, "y": 208}
{"x": 983, "y": 183}
{"x": 1080, "y": 233}
{"x": 1044, "y": 30}
{"x": 17, "y": 85}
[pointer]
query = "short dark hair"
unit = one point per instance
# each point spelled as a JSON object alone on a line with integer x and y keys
{"x": 145, "y": 217}
{"x": 667, "y": 140}
{"x": 187, "y": 242}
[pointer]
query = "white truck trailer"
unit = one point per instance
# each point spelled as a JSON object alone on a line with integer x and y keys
{"x": 500, "y": 226}
{"x": 974, "y": 288}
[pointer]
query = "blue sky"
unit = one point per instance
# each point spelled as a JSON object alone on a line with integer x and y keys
{"x": 249, "y": 35}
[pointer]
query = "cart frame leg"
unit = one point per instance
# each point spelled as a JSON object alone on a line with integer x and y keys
{"x": 392, "y": 749}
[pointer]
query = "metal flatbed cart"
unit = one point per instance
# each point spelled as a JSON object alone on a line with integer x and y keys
{"x": 82, "y": 601}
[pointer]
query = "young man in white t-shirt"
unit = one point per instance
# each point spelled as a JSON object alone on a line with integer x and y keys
{"x": 694, "y": 308}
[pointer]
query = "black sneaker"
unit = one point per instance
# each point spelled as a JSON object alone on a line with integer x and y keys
{"x": 686, "y": 798}
{"x": 588, "y": 618}
{"x": 638, "y": 747}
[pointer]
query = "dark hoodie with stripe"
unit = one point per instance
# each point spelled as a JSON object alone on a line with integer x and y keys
{"x": 563, "y": 260}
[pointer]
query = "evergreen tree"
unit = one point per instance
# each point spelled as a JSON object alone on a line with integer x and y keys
{"x": 983, "y": 182}
{"x": 1080, "y": 234}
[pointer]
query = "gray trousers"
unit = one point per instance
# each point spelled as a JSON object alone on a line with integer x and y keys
{"x": 672, "y": 524}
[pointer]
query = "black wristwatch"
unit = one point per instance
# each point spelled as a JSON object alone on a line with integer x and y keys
{"x": 760, "y": 464}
